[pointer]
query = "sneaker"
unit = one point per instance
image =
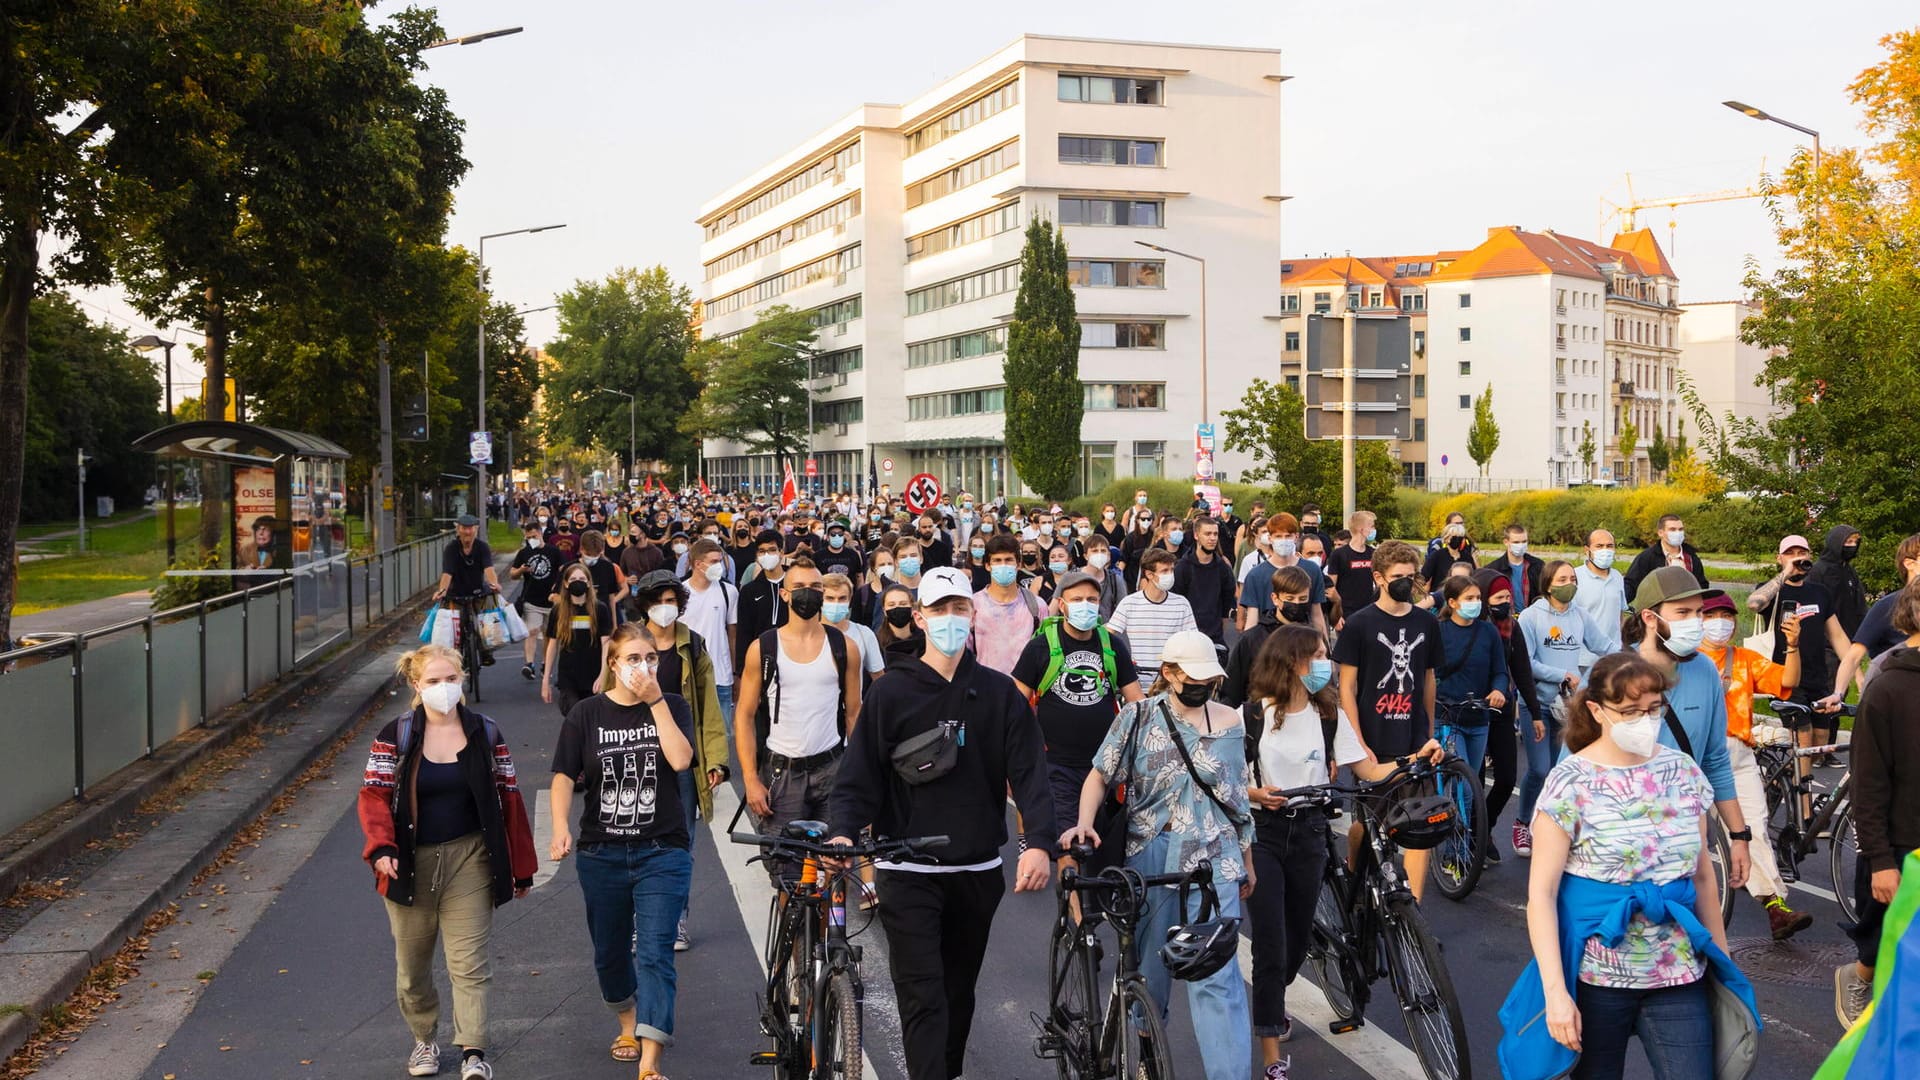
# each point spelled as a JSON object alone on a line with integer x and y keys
{"x": 1493, "y": 855}
{"x": 476, "y": 1068}
{"x": 1286, "y": 1030}
{"x": 1830, "y": 761}
{"x": 486, "y": 658}
{"x": 425, "y": 1059}
{"x": 1522, "y": 841}
{"x": 1279, "y": 1069}
{"x": 527, "y": 672}
{"x": 1783, "y": 920}
{"x": 1851, "y": 993}
{"x": 681, "y": 942}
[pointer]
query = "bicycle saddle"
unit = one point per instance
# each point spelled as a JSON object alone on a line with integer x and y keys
{"x": 805, "y": 830}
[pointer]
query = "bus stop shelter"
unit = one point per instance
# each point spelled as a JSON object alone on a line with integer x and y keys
{"x": 286, "y": 489}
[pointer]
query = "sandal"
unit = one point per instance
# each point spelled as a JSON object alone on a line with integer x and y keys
{"x": 625, "y": 1048}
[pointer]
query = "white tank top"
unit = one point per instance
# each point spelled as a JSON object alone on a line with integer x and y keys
{"x": 807, "y": 720}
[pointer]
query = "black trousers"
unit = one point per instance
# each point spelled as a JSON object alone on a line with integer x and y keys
{"x": 1289, "y": 857}
{"x": 937, "y": 927}
{"x": 1504, "y": 749}
{"x": 1865, "y": 931}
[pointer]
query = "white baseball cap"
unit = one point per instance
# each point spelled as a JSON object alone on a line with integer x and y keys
{"x": 1193, "y": 651}
{"x": 942, "y": 583}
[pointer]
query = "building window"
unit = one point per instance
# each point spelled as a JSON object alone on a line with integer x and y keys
{"x": 1466, "y": 368}
{"x": 966, "y": 346}
{"x": 990, "y": 399}
{"x": 1466, "y": 401}
{"x": 1374, "y": 298}
{"x": 1413, "y": 474}
{"x": 834, "y": 266}
{"x": 1108, "y": 397}
{"x": 1105, "y": 90}
{"x": 1116, "y": 273}
{"x": 1413, "y": 301}
{"x": 1090, "y": 150}
{"x": 1000, "y": 219}
{"x": 818, "y": 221}
{"x": 1293, "y": 341}
{"x": 990, "y": 282}
{"x": 1419, "y": 429}
{"x": 1293, "y": 383}
{"x": 1419, "y": 386}
{"x": 1322, "y": 303}
{"x": 966, "y": 174}
{"x": 1466, "y": 299}
{"x": 1123, "y": 335}
{"x": 1420, "y": 342}
{"x": 827, "y": 365}
{"x": 1096, "y": 465}
{"x": 1290, "y": 303}
{"x": 1150, "y": 459}
{"x": 838, "y": 313}
{"x": 849, "y": 411}
{"x": 1466, "y": 333}
{"x": 829, "y": 166}
{"x": 992, "y": 102}
{"x": 1141, "y": 213}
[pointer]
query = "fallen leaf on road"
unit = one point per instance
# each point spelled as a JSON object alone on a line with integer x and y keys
{"x": 283, "y": 971}
{"x": 224, "y": 1049}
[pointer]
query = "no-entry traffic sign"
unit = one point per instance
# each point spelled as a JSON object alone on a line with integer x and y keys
{"x": 922, "y": 493}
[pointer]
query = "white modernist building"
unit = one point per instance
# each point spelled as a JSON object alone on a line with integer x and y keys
{"x": 1725, "y": 370}
{"x": 899, "y": 227}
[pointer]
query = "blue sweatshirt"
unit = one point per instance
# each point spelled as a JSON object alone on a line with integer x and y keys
{"x": 1476, "y": 656}
{"x": 1558, "y": 643}
{"x": 1699, "y": 700}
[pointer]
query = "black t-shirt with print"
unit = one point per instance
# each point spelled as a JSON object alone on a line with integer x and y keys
{"x": 1352, "y": 572}
{"x": 1077, "y": 710}
{"x": 848, "y": 560}
{"x": 1393, "y": 653}
{"x": 612, "y": 753}
{"x": 542, "y": 573}
{"x": 579, "y": 661}
{"x": 1815, "y": 604}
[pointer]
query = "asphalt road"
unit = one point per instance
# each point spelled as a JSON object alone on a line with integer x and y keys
{"x": 281, "y": 966}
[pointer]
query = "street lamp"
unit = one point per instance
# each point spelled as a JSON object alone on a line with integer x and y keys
{"x": 1206, "y": 415}
{"x": 154, "y": 341}
{"x": 1761, "y": 114}
{"x": 630, "y": 444}
{"x": 474, "y": 39}
{"x": 480, "y": 275}
{"x": 808, "y": 352}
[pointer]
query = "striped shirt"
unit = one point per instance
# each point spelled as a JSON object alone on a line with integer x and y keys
{"x": 1148, "y": 626}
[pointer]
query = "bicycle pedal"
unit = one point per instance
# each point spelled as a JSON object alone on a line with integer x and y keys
{"x": 1343, "y": 1027}
{"x": 763, "y": 1057}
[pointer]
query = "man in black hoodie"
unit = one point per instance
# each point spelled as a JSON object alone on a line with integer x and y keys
{"x": 937, "y": 916}
{"x": 1669, "y": 548}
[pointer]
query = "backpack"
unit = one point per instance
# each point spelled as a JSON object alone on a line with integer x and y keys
{"x": 1057, "y": 659}
{"x": 403, "y": 737}
{"x": 769, "y": 713}
{"x": 1253, "y": 715}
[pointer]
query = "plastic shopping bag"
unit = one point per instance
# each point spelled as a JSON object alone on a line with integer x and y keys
{"x": 516, "y": 626}
{"x": 426, "y": 628}
{"x": 446, "y": 627}
{"x": 493, "y": 628}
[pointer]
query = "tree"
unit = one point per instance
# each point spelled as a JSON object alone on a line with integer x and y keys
{"x": 1691, "y": 475}
{"x": 1270, "y": 427}
{"x": 1375, "y": 476}
{"x": 1659, "y": 454}
{"x": 1587, "y": 448}
{"x": 1041, "y": 372}
{"x": 753, "y": 385}
{"x": 1483, "y": 438}
{"x": 630, "y": 332}
{"x": 1629, "y": 439}
{"x": 87, "y": 391}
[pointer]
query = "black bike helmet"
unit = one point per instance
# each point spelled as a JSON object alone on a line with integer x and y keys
{"x": 1420, "y": 822}
{"x": 1205, "y": 945}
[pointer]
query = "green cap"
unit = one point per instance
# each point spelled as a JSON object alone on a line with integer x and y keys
{"x": 1666, "y": 583}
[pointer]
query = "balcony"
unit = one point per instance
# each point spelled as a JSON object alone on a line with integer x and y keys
{"x": 1559, "y": 309}
{"x": 1560, "y": 378}
{"x": 1559, "y": 344}
{"x": 1623, "y": 388}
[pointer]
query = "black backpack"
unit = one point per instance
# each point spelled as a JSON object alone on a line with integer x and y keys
{"x": 769, "y": 713}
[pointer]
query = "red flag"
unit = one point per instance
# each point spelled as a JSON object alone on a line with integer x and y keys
{"x": 648, "y": 489}
{"x": 789, "y": 489}
{"x": 705, "y": 491}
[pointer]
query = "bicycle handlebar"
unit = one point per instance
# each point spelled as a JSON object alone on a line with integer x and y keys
{"x": 1105, "y": 880}
{"x": 1794, "y": 712}
{"x": 1405, "y": 769}
{"x": 910, "y": 848}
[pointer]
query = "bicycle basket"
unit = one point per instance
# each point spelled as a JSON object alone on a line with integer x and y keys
{"x": 1419, "y": 822}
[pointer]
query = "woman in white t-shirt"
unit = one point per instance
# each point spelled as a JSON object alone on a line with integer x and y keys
{"x": 1294, "y": 723}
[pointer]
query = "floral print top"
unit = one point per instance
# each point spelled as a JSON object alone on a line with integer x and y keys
{"x": 1162, "y": 797}
{"x": 1633, "y": 823}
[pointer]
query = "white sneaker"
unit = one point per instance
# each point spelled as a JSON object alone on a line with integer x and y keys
{"x": 425, "y": 1059}
{"x": 681, "y": 942}
{"x": 1279, "y": 1069}
{"x": 474, "y": 1068}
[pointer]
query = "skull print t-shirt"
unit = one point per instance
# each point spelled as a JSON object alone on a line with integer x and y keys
{"x": 612, "y": 753}
{"x": 1393, "y": 654}
{"x": 1076, "y": 711}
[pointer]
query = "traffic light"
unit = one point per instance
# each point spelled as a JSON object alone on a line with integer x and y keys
{"x": 413, "y": 419}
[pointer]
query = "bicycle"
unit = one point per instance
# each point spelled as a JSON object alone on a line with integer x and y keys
{"x": 1790, "y": 785}
{"x": 1458, "y": 861}
{"x": 811, "y": 1005}
{"x": 1366, "y": 925}
{"x": 1083, "y": 1044}
{"x": 471, "y": 656}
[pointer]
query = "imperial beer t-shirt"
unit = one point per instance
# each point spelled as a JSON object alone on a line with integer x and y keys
{"x": 612, "y": 753}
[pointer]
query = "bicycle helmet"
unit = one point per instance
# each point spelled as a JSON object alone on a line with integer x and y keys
{"x": 1205, "y": 945}
{"x": 1420, "y": 822}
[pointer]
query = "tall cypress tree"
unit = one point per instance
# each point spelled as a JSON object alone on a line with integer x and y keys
{"x": 1042, "y": 368}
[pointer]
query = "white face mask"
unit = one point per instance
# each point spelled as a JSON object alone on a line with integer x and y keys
{"x": 1637, "y": 737}
{"x": 679, "y": 549}
{"x": 441, "y": 697}
{"x": 663, "y": 614}
{"x": 714, "y": 571}
{"x": 1098, "y": 559}
{"x": 1719, "y": 631}
{"x": 769, "y": 561}
{"x": 1164, "y": 581}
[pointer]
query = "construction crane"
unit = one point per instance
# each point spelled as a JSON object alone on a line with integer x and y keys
{"x": 1627, "y": 213}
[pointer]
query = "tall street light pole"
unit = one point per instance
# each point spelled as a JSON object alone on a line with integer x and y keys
{"x": 474, "y": 39}
{"x": 1761, "y": 114}
{"x": 153, "y": 341}
{"x": 480, "y": 277}
{"x": 630, "y": 444}
{"x": 809, "y": 353}
{"x": 1206, "y": 414}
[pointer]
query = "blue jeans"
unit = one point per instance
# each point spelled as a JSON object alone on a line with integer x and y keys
{"x": 690, "y": 803}
{"x": 635, "y": 892}
{"x": 1222, "y": 1022}
{"x": 1470, "y": 746}
{"x": 1541, "y": 754}
{"x": 1675, "y": 1025}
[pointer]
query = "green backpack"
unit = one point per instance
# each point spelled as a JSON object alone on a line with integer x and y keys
{"x": 1057, "y": 657}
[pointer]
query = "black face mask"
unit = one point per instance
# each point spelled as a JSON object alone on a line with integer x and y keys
{"x": 1194, "y": 694}
{"x": 1296, "y": 611}
{"x": 1401, "y": 590}
{"x": 1500, "y": 612}
{"x": 899, "y": 618}
{"x": 577, "y": 588}
{"x": 1030, "y": 559}
{"x": 805, "y": 603}
{"x": 1848, "y": 553}
{"x": 1456, "y": 542}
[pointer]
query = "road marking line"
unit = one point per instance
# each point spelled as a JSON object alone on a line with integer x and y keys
{"x": 1377, "y": 1053}
{"x": 752, "y": 891}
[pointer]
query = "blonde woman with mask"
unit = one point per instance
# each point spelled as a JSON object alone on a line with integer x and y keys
{"x": 448, "y": 840}
{"x": 623, "y": 750}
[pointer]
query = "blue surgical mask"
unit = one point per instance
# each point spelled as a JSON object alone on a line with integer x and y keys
{"x": 836, "y": 541}
{"x": 909, "y": 566}
{"x": 1683, "y": 635}
{"x": 1319, "y": 674}
{"x": 1372, "y": 535}
{"x": 1003, "y": 575}
{"x": 1603, "y": 558}
{"x": 1470, "y": 609}
{"x": 1058, "y": 568}
{"x": 1083, "y": 615}
{"x": 1176, "y": 536}
{"x": 977, "y": 552}
{"x": 1285, "y": 548}
{"x": 948, "y": 632}
{"x": 836, "y": 612}
{"x": 1676, "y": 537}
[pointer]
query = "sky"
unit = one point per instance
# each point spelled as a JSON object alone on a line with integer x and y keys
{"x": 1405, "y": 128}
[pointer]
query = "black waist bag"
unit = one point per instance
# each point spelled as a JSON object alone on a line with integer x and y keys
{"x": 932, "y": 754}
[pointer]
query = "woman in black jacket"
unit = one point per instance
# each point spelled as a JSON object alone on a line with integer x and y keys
{"x": 1522, "y": 708}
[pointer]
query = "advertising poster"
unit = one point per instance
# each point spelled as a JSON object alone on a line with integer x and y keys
{"x": 253, "y": 521}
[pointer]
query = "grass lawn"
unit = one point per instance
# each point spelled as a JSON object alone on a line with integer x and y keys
{"x": 28, "y": 532}
{"x": 51, "y": 583}
{"x": 125, "y": 537}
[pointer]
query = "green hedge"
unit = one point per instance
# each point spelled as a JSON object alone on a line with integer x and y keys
{"x": 1565, "y": 516}
{"x": 1161, "y": 495}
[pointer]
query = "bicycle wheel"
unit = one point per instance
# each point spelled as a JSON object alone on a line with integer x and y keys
{"x": 1845, "y": 855}
{"x": 1143, "y": 1050}
{"x": 1425, "y": 990}
{"x": 1071, "y": 1005}
{"x": 837, "y": 1043}
{"x": 1329, "y": 957}
{"x": 1719, "y": 852}
{"x": 470, "y": 654}
{"x": 1456, "y": 863}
